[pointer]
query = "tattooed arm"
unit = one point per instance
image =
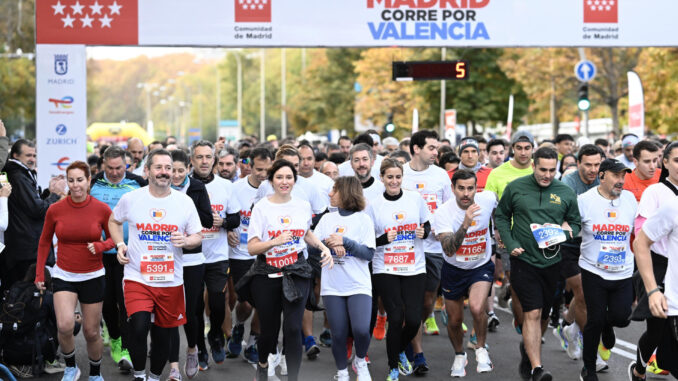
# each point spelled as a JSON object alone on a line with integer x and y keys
{"x": 452, "y": 241}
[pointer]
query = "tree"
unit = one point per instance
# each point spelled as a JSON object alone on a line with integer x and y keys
{"x": 658, "y": 73}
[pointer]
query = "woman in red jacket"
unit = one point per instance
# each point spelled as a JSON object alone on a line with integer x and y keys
{"x": 77, "y": 220}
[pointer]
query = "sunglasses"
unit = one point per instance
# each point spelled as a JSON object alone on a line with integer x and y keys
{"x": 245, "y": 161}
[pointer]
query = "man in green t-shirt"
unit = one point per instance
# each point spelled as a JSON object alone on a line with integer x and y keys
{"x": 535, "y": 214}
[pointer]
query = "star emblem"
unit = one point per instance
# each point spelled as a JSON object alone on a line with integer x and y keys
{"x": 86, "y": 21}
{"x": 68, "y": 21}
{"x": 115, "y": 8}
{"x": 58, "y": 8}
{"x": 105, "y": 21}
{"x": 77, "y": 8}
{"x": 96, "y": 8}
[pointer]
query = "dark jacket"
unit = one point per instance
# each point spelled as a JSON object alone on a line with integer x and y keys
{"x": 26, "y": 215}
{"x": 198, "y": 193}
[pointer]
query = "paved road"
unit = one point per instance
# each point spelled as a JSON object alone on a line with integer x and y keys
{"x": 438, "y": 351}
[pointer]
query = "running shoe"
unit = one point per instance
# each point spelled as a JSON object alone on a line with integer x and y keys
{"x": 472, "y": 341}
{"x": 174, "y": 375}
{"x": 235, "y": 342}
{"x": 326, "y": 338}
{"x": 393, "y": 375}
{"x": 312, "y": 349}
{"x": 283, "y": 365}
{"x": 430, "y": 326}
{"x": 101, "y": 378}
{"x": 444, "y": 317}
{"x": 420, "y": 365}
{"x": 585, "y": 375}
{"x": 262, "y": 373}
{"x": 273, "y": 362}
{"x": 608, "y": 338}
{"x": 379, "y": 331}
{"x": 349, "y": 348}
{"x": 203, "y": 361}
{"x": 558, "y": 333}
{"x": 440, "y": 303}
{"x": 459, "y": 366}
{"x": 603, "y": 352}
{"x": 525, "y": 366}
{"x": 53, "y": 367}
{"x": 251, "y": 354}
{"x": 492, "y": 322}
{"x": 116, "y": 349}
{"x": 573, "y": 350}
{"x": 601, "y": 365}
{"x": 361, "y": 370}
{"x": 21, "y": 371}
{"x": 632, "y": 376}
{"x": 191, "y": 367}
{"x": 483, "y": 360}
{"x": 539, "y": 374}
{"x": 125, "y": 363}
{"x": 404, "y": 366}
{"x": 218, "y": 354}
{"x": 342, "y": 375}
{"x": 71, "y": 373}
{"x": 654, "y": 368}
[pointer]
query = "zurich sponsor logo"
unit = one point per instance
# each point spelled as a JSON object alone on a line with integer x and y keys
{"x": 61, "y": 129}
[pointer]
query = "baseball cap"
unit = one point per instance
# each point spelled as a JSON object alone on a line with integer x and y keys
{"x": 522, "y": 136}
{"x": 467, "y": 142}
{"x": 630, "y": 140}
{"x": 613, "y": 165}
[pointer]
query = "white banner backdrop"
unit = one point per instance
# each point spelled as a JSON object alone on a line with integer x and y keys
{"x": 636, "y": 105}
{"x": 246, "y": 23}
{"x": 61, "y": 108}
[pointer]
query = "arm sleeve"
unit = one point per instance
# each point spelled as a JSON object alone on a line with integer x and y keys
{"x": 358, "y": 250}
{"x": 502, "y": 219}
{"x": 202, "y": 204}
{"x": 232, "y": 221}
{"x": 427, "y": 229}
{"x": 382, "y": 240}
{"x": 4, "y": 214}
{"x": 44, "y": 245}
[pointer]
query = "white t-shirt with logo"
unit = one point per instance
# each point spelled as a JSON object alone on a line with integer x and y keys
{"x": 476, "y": 249}
{"x": 405, "y": 255}
{"x": 606, "y": 228}
{"x": 245, "y": 194}
{"x": 374, "y": 191}
{"x": 269, "y": 220}
{"x": 435, "y": 187}
{"x": 664, "y": 224}
{"x": 345, "y": 168}
{"x": 350, "y": 275}
{"x": 652, "y": 199}
{"x": 303, "y": 189}
{"x": 323, "y": 184}
{"x": 215, "y": 240}
{"x": 153, "y": 260}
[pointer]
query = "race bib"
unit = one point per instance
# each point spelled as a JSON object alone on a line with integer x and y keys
{"x": 611, "y": 258}
{"x": 157, "y": 267}
{"x": 399, "y": 257}
{"x": 244, "y": 226}
{"x": 431, "y": 200}
{"x": 547, "y": 235}
{"x": 280, "y": 260}
{"x": 211, "y": 233}
{"x": 472, "y": 249}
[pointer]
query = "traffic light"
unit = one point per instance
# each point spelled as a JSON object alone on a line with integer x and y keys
{"x": 389, "y": 127}
{"x": 583, "y": 101}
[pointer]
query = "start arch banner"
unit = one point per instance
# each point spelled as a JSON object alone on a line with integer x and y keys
{"x": 335, "y": 23}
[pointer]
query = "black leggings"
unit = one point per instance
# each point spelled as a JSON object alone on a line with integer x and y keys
{"x": 113, "y": 311}
{"x": 403, "y": 298}
{"x": 650, "y": 339}
{"x": 608, "y": 304}
{"x": 139, "y": 325}
{"x": 193, "y": 276}
{"x": 269, "y": 300}
{"x": 217, "y": 303}
{"x": 349, "y": 312}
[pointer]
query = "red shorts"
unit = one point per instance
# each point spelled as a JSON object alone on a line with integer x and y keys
{"x": 166, "y": 303}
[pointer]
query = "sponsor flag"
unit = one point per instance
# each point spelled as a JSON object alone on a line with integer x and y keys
{"x": 636, "y": 105}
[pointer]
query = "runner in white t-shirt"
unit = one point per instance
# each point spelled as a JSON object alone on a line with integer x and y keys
{"x": 463, "y": 227}
{"x": 433, "y": 184}
{"x": 161, "y": 221}
{"x": 349, "y": 169}
{"x": 307, "y": 170}
{"x": 362, "y": 160}
{"x": 346, "y": 288}
{"x": 278, "y": 233}
{"x": 607, "y": 215}
{"x": 240, "y": 260}
{"x": 401, "y": 223}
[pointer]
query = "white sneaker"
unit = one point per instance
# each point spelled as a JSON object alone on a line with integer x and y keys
{"x": 273, "y": 362}
{"x": 483, "y": 360}
{"x": 459, "y": 365}
{"x": 601, "y": 365}
{"x": 342, "y": 375}
{"x": 573, "y": 350}
{"x": 283, "y": 366}
{"x": 361, "y": 370}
